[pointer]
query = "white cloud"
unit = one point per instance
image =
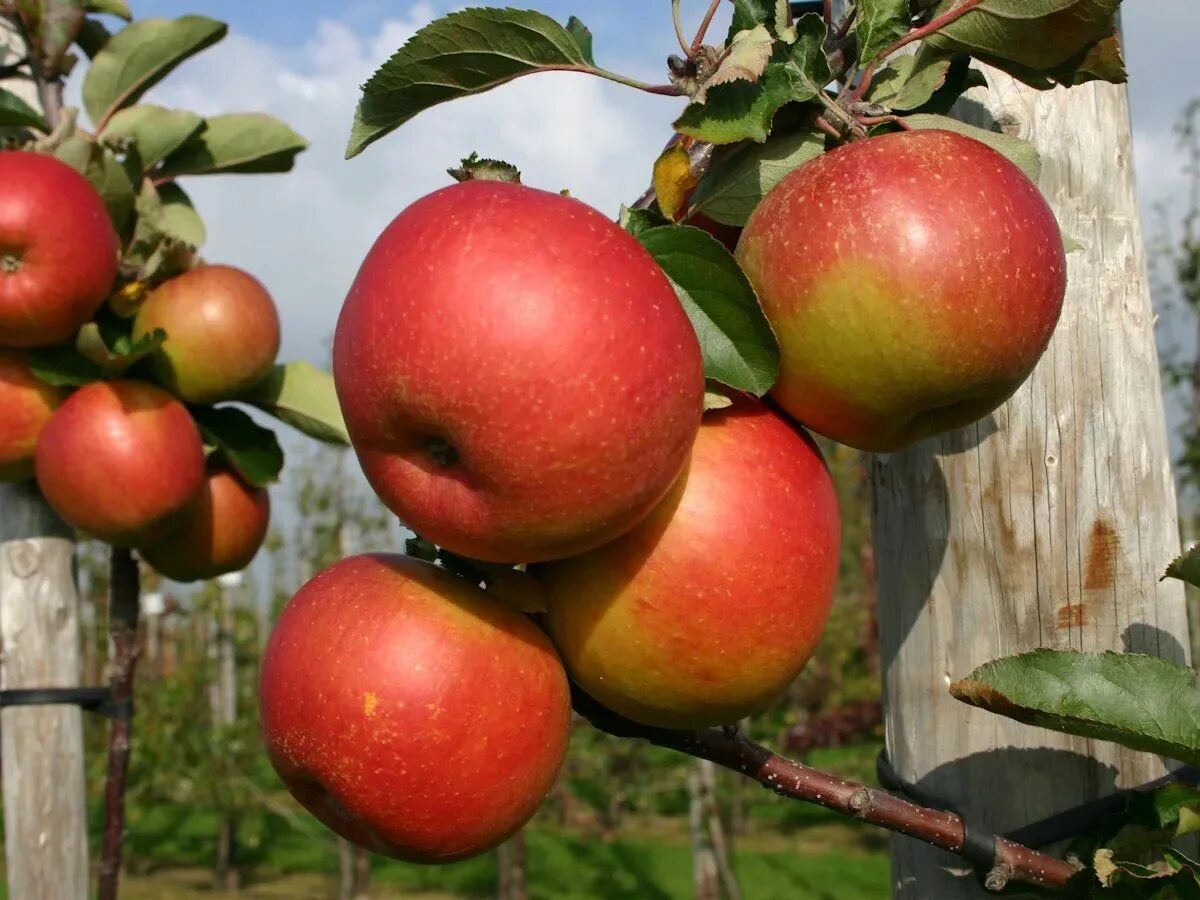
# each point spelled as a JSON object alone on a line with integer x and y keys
{"x": 304, "y": 234}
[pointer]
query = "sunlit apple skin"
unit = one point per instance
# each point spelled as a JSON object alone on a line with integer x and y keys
{"x": 26, "y": 404}
{"x": 411, "y": 713}
{"x": 58, "y": 250}
{"x": 913, "y": 280}
{"x": 706, "y": 612}
{"x": 517, "y": 375}
{"x": 222, "y": 333}
{"x": 121, "y": 461}
{"x": 221, "y": 534}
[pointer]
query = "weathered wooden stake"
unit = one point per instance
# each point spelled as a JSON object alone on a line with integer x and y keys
{"x": 1047, "y": 525}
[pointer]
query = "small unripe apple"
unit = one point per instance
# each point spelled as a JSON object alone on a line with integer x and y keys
{"x": 518, "y": 377}
{"x": 707, "y": 610}
{"x": 222, "y": 333}
{"x": 26, "y": 404}
{"x": 58, "y": 250}
{"x": 913, "y": 281}
{"x": 121, "y": 461}
{"x": 410, "y": 712}
{"x": 222, "y": 533}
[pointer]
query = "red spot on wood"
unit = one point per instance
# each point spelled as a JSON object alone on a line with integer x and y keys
{"x": 1103, "y": 548}
{"x": 1072, "y": 616}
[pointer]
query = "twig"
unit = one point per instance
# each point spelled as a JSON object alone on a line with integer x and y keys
{"x": 828, "y": 13}
{"x": 675, "y": 17}
{"x": 124, "y": 591}
{"x": 730, "y": 749}
{"x": 698, "y": 40}
{"x": 844, "y": 28}
{"x": 915, "y": 35}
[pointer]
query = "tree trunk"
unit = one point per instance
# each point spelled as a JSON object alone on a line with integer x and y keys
{"x": 45, "y": 811}
{"x": 1046, "y": 525}
{"x": 511, "y": 881}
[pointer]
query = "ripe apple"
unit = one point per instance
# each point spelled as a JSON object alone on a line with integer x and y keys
{"x": 222, "y": 333}
{"x": 517, "y": 375}
{"x": 58, "y": 250}
{"x": 26, "y": 404}
{"x": 411, "y": 713}
{"x": 222, "y": 533}
{"x": 707, "y": 610}
{"x": 121, "y": 461}
{"x": 913, "y": 281}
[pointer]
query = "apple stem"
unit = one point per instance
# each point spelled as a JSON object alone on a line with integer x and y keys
{"x": 844, "y": 28}
{"x": 698, "y": 40}
{"x": 828, "y": 13}
{"x": 915, "y": 35}
{"x": 731, "y": 749}
{"x": 124, "y": 598}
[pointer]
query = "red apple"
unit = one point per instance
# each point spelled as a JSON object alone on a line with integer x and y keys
{"x": 222, "y": 333}
{"x": 121, "y": 461}
{"x": 913, "y": 281}
{"x": 706, "y": 612}
{"x": 58, "y": 250}
{"x": 410, "y": 712}
{"x": 222, "y": 533}
{"x": 517, "y": 375}
{"x": 26, "y": 404}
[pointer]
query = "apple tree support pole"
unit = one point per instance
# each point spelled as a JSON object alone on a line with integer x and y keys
{"x": 1048, "y": 524}
{"x": 41, "y": 747}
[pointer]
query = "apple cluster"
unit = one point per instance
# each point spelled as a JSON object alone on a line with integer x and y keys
{"x": 121, "y": 459}
{"x": 523, "y": 388}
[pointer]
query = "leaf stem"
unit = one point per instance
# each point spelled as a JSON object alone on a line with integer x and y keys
{"x": 675, "y": 17}
{"x": 828, "y": 13}
{"x": 915, "y": 35}
{"x": 844, "y": 28}
{"x": 698, "y": 41}
{"x": 666, "y": 90}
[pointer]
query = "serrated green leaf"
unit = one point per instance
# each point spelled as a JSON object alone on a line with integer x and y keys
{"x": 16, "y": 112}
{"x": 92, "y": 37}
{"x": 155, "y": 130}
{"x": 880, "y": 23}
{"x": 1186, "y": 567}
{"x": 1022, "y": 153}
{"x": 463, "y": 53}
{"x": 583, "y": 37}
{"x": 635, "y": 221}
{"x": 57, "y": 22}
{"x": 730, "y": 191}
{"x": 745, "y": 60}
{"x": 102, "y": 168}
{"x": 167, "y": 212}
{"x": 910, "y": 81}
{"x": 253, "y": 451}
{"x": 63, "y": 367}
{"x": 247, "y": 143}
{"x": 1141, "y": 702}
{"x": 139, "y": 56}
{"x": 1031, "y": 39}
{"x": 738, "y": 345}
{"x": 304, "y": 397}
{"x": 784, "y": 28}
{"x": 748, "y": 13}
{"x": 118, "y": 8}
{"x": 738, "y": 111}
{"x": 807, "y": 62}
{"x": 115, "y": 353}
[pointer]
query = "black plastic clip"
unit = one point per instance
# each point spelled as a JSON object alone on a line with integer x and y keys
{"x": 94, "y": 700}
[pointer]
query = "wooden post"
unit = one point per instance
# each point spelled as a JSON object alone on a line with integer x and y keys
{"x": 224, "y": 700}
{"x": 1046, "y": 525}
{"x": 45, "y": 811}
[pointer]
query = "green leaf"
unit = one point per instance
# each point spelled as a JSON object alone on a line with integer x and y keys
{"x": 63, "y": 366}
{"x": 716, "y": 400}
{"x": 167, "y": 211}
{"x": 911, "y": 81}
{"x": 15, "y": 111}
{"x": 155, "y": 130}
{"x": 463, "y": 53}
{"x": 738, "y": 111}
{"x": 745, "y": 60}
{"x": 1186, "y": 567}
{"x": 253, "y": 451}
{"x": 246, "y": 143}
{"x": 1141, "y": 702}
{"x": 808, "y": 65}
{"x": 583, "y": 38}
{"x": 58, "y": 22}
{"x": 635, "y": 221}
{"x": 92, "y": 37}
{"x": 783, "y": 27}
{"x": 112, "y": 350}
{"x": 730, "y": 191}
{"x": 304, "y": 397}
{"x": 1038, "y": 41}
{"x": 1020, "y": 152}
{"x": 139, "y": 56}
{"x": 738, "y": 345}
{"x": 748, "y": 13}
{"x": 118, "y": 8}
{"x": 880, "y": 24}
{"x": 102, "y": 168}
